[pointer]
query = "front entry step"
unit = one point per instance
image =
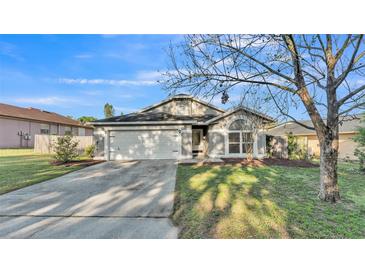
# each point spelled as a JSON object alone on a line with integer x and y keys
{"x": 198, "y": 154}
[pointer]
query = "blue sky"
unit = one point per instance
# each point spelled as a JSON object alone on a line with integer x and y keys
{"x": 77, "y": 74}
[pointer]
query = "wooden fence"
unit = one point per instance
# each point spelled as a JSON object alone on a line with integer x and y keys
{"x": 44, "y": 143}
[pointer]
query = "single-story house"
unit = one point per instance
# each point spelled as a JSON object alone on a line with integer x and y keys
{"x": 19, "y": 125}
{"x": 308, "y": 139}
{"x": 181, "y": 127}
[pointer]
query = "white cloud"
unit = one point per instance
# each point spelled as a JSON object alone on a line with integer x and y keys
{"x": 110, "y": 35}
{"x": 10, "y": 50}
{"x": 84, "y": 56}
{"x": 360, "y": 82}
{"x": 112, "y": 82}
{"x": 149, "y": 75}
{"x": 45, "y": 100}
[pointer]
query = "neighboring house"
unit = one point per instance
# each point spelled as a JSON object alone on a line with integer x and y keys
{"x": 19, "y": 125}
{"x": 181, "y": 127}
{"x": 308, "y": 139}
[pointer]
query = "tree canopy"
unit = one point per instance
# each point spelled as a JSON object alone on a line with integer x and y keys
{"x": 85, "y": 119}
{"x": 321, "y": 75}
{"x": 108, "y": 110}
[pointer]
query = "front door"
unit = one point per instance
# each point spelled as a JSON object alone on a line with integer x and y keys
{"x": 197, "y": 139}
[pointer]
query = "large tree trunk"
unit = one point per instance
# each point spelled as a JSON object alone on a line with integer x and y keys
{"x": 328, "y": 167}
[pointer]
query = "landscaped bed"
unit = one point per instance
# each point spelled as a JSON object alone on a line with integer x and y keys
{"x": 84, "y": 163}
{"x": 261, "y": 199}
{"x": 22, "y": 167}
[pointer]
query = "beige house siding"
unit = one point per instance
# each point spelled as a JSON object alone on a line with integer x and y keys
{"x": 199, "y": 109}
{"x": 185, "y": 107}
{"x": 186, "y": 142}
{"x": 216, "y": 143}
{"x": 311, "y": 144}
{"x": 217, "y": 134}
{"x": 225, "y": 122}
{"x": 346, "y": 146}
{"x": 44, "y": 144}
{"x": 170, "y": 107}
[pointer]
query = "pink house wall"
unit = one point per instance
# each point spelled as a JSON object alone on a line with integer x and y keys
{"x": 89, "y": 132}
{"x": 9, "y": 133}
{"x": 9, "y": 129}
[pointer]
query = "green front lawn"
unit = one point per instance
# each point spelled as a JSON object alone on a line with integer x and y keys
{"x": 231, "y": 201}
{"x": 22, "y": 167}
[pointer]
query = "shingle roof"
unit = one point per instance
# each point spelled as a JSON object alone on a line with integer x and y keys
{"x": 347, "y": 126}
{"x": 154, "y": 117}
{"x": 37, "y": 115}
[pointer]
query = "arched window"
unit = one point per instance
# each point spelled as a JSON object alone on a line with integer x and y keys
{"x": 240, "y": 137}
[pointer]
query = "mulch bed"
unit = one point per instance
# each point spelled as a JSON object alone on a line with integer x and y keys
{"x": 270, "y": 162}
{"x": 77, "y": 163}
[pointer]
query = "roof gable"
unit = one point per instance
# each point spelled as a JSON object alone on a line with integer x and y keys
{"x": 165, "y": 111}
{"x": 180, "y": 97}
{"x": 233, "y": 111}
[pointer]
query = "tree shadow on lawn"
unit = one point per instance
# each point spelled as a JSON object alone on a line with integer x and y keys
{"x": 231, "y": 201}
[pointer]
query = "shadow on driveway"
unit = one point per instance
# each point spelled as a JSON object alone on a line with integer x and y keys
{"x": 110, "y": 200}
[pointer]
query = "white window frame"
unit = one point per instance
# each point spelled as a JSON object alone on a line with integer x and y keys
{"x": 240, "y": 154}
{"x": 239, "y": 142}
{"x": 242, "y": 143}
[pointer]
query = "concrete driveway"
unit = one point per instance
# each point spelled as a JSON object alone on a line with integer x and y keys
{"x": 110, "y": 200}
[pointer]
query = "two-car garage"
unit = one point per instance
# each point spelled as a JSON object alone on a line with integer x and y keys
{"x": 144, "y": 144}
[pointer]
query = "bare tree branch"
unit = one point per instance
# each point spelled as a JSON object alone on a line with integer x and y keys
{"x": 354, "y": 59}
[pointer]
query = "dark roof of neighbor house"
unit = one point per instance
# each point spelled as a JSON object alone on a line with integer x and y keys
{"x": 37, "y": 115}
{"x": 349, "y": 125}
{"x": 154, "y": 117}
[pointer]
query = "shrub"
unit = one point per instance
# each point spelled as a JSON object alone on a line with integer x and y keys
{"x": 89, "y": 151}
{"x": 65, "y": 149}
{"x": 295, "y": 150}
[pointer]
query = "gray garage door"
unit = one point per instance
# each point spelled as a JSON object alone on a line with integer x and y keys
{"x": 144, "y": 144}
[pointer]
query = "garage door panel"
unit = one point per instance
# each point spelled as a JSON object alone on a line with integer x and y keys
{"x": 161, "y": 144}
